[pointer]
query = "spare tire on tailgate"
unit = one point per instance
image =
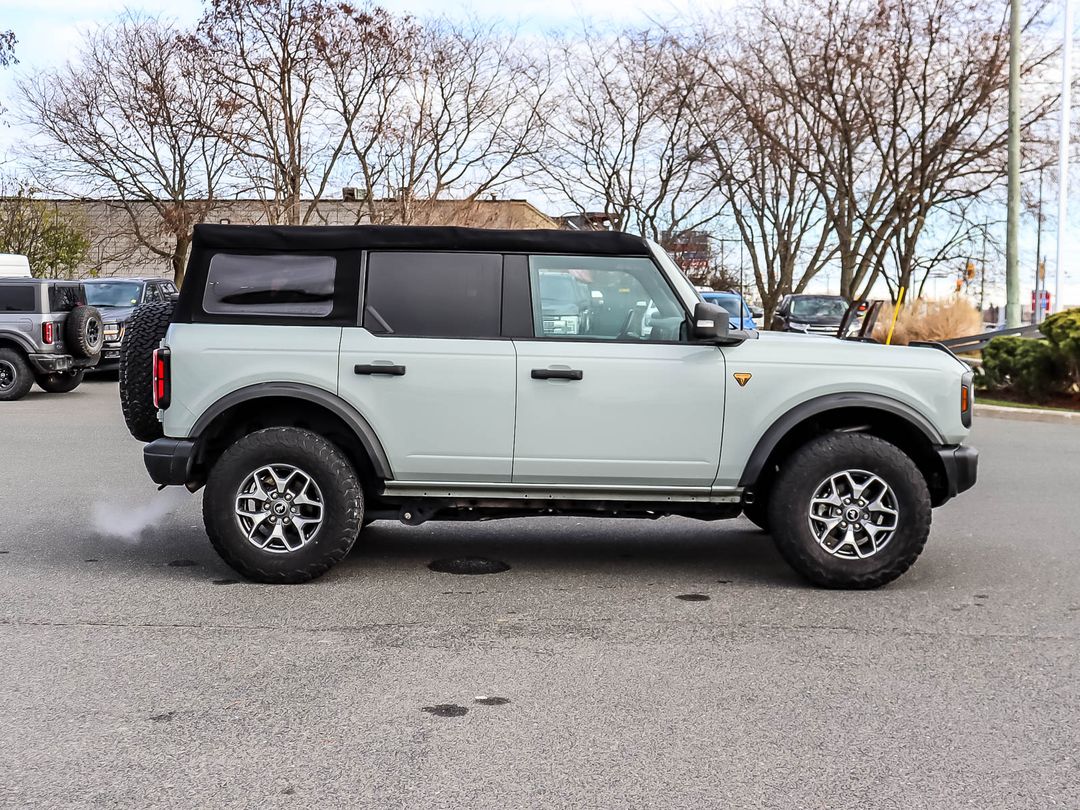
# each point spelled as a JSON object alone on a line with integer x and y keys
{"x": 143, "y": 334}
{"x": 83, "y": 332}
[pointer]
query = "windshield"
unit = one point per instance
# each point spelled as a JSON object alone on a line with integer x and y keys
{"x": 113, "y": 293}
{"x": 818, "y": 307}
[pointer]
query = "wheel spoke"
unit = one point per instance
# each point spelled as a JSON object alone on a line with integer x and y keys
{"x": 285, "y": 500}
{"x": 853, "y": 514}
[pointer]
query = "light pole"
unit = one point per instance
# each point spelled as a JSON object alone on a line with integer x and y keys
{"x": 1063, "y": 150}
{"x": 1012, "y": 226}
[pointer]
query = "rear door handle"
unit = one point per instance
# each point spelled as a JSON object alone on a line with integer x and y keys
{"x": 371, "y": 368}
{"x": 556, "y": 374}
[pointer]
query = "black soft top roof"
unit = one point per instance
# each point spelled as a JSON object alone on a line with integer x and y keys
{"x": 415, "y": 237}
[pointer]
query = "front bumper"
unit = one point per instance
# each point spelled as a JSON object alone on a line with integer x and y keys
{"x": 52, "y": 363}
{"x": 961, "y": 468}
{"x": 169, "y": 461}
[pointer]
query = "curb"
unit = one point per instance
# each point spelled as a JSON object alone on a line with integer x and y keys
{"x": 1027, "y": 414}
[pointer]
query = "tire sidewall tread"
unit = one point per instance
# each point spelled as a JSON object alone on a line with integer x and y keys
{"x": 803, "y": 472}
{"x": 343, "y": 504}
{"x": 24, "y": 375}
{"x": 144, "y": 333}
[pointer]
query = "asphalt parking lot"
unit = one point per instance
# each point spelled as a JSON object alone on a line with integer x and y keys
{"x": 136, "y": 670}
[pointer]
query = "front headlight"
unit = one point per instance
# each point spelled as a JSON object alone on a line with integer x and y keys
{"x": 112, "y": 331}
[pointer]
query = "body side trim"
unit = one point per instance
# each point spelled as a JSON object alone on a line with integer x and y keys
{"x": 812, "y": 407}
{"x": 551, "y": 492}
{"x": 333, "y": 403}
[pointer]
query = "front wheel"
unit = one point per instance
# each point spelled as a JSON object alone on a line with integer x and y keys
{"x": 60, "y": 382}
{"x": 849, "y": 510}
{"x": 283, "y": 505}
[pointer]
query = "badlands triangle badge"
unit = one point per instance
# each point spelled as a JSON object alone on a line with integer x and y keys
{"x": 742, "y": 377}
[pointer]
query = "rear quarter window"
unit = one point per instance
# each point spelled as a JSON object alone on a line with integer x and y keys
{"x": 65, "y": 297}
{"x": 17, "y": 298}
{"x": 434, "y": 294}
{"x": 275, "y": 285}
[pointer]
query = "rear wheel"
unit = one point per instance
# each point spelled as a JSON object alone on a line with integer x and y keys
{"x": 283, "y": 505}
{"x": 16, "y": 378}
{"x": 850, "y": 510}
{"x": 143, "y": 334}
{"x": 60, "y": 382}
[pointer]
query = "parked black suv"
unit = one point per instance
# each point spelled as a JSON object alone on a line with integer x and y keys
{"x": 116, "y": 299}
{"x": 813, "y": 314}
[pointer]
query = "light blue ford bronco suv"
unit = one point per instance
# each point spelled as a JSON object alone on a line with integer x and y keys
{"x": 314, "y": 379}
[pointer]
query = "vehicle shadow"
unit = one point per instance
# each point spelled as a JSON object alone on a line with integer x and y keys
{"x": 726, "y": 550}
{"x": 730, "y": 551}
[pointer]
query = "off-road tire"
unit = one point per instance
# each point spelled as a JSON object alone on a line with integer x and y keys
{"x": 343, "y": 504}
{"x": 758, "y": 512}
{"x": 17, "y": 373}
{"x": 60, "y": 383}
{"x": 84, "y": 332}
{"x": 803, "y": 472}
{"x": 143, "y": 334}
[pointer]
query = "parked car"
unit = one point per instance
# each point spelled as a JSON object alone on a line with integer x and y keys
{"x": 116, "y": 299}
{"x": 739, "y": 313}
{"x": 812, "y": 314}
{"x": 314, "y": 379}
{"x": 48, "y": 335}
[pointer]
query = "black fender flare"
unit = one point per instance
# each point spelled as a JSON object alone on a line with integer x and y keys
{"x": 830, "y": 402}
{"x": 306, "y": 393}
{"x": 16, "y": 340}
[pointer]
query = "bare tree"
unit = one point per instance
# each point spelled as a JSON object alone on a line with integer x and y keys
{"x": 126, "y": 119}
{"x": 775, "y": 205}
{"x": 624, "y": 139}
{"x": 471, "y": 116}
{"x": 902, "y": 104}
{"x": 7, "y": 48}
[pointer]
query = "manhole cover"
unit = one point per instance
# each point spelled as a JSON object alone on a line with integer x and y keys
{"x": 469, "y": 565}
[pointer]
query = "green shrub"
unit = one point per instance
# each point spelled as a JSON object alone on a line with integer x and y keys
{"x": 1031, "y": 368}
{"x": 1063, "y": 332}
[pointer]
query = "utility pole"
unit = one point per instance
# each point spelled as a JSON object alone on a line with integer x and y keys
{"x": 1036, "y": 310}
{"x": 1063, "y": 151}
{"x": 1012, "y": 225}
{"x": 982, "y": 275}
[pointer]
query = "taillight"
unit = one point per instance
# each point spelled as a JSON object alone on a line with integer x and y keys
{"x": 47, "y": 332}
{"x": 161, "y": 377}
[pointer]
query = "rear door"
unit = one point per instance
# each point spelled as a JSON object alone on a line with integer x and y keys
{"x": 428, "y": 368}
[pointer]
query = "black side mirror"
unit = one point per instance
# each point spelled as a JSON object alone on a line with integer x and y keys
{"x": 710, "y": 322}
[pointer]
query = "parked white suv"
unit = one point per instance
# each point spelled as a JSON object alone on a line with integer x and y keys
{"x": 315, "y": 379}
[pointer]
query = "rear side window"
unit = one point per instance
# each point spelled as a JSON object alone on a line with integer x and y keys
{"x": 65, "y": 297}
{"x": 283, "y": 285}
{"x": 434, "y": 294}
{"x": 17, "y": 298}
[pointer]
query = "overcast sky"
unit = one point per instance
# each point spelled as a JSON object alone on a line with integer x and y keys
{"x": 48, "y": 29}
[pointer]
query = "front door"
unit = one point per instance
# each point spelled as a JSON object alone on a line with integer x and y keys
{"x": 609, "y": 392}
{"x": 428, "y": 369}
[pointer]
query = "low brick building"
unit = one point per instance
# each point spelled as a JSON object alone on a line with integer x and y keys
{"x": 115, "y": 250}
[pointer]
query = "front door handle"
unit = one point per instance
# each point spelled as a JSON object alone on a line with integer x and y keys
{"x": 371, "y": 368}
{"x": 556, "y": 374}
